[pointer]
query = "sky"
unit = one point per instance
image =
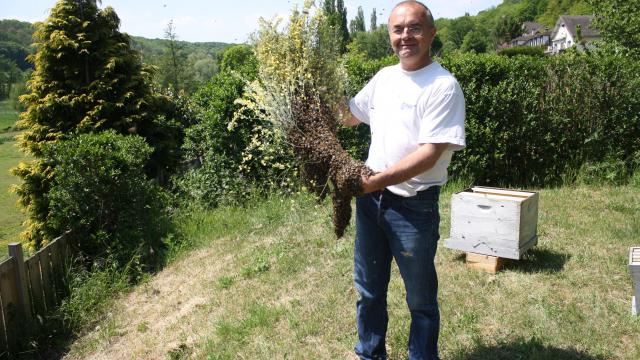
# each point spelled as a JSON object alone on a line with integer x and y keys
{"x": 222, "y": 20}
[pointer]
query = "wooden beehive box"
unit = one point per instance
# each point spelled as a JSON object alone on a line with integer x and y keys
{"x": 634, "y": 268}
{"x": 493, "y": 221}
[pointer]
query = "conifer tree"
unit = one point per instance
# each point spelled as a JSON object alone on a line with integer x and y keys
{"x": 374, "y": 20}
{"x": 173, "y": 65}
{"x": 357, "y": 24}
{"x": 343, "y": 25}
{"x": 86, "y": 79}
{"x": 336, "y": 14}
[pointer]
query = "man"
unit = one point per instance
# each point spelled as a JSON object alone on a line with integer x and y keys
{"x": 416, "y": 114}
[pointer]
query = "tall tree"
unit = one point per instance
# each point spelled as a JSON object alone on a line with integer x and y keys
{"x": 329, "y": 6}
{"x": 453, "y": 35}
{"x": 357, "y": 24}
{"x": 337, "y": 19}
{"x": 618, "y": 21}
{"x": 374, "y": 20}
{"x": 343, "y": 28}
{"x": 475, "y": 42}
{"x": 9, "y": 75}
{"x": 86, "y": 79}
{"x": 506, "y": 29}
{"x": 372, "y": 44}
{"x": 173, "y": 62}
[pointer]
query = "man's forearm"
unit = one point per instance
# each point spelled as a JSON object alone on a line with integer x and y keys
{"x": 347, "y": 118}
{"x": 419, "y": 161}
{"x": 350, "y": 120}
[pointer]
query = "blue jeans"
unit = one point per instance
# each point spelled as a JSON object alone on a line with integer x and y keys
{"x": 389, "y": 227}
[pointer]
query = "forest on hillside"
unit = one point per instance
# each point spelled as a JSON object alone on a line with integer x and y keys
{"x": 197, "y": 61}
{"x": 489, "y": 28}
{"x": 183, "y": 65}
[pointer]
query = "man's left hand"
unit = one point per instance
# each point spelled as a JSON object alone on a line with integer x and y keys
{"x": 369, "y": 184}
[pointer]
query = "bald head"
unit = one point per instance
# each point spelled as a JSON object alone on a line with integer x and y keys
{"x": 418, "y": 5}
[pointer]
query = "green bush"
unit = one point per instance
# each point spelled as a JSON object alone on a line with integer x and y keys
{"x": 501, "y": 122}
{"x": 612, "y": 172}
{"x": 533, "y": 120}
{"x": 211, "y": 149}
{"x": 530, "y": 121}
{"x": 101, "y": 194}
{"x": 213, "y": 182}
{"x": 87, "y": 79}
{"x": 231, "y": 156}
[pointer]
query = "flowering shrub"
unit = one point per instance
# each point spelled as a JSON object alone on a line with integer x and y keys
{"x": 305, "y": 56}
{"x": 230, "y": 158}
{"x": 300, "y": 89}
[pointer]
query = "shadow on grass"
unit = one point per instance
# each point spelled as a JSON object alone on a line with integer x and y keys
{"x": 534, "y": 261}
{"x": 539, "y": 261}
{"x": 521, "y": 349}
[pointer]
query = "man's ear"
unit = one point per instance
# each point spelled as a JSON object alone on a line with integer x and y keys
{"x": 433, "y": 32}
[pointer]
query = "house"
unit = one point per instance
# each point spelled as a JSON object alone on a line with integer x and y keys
{"x": 540, "y": 38}
{"x": 571, "y": 31}
{"x": 534, "y": 34}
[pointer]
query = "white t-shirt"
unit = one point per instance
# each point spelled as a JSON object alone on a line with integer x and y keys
{"x": 405, "y": 109}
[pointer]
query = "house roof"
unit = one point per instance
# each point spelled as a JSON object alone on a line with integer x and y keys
{"x": 531, "y": 27}
{"x": 571, "y": 23}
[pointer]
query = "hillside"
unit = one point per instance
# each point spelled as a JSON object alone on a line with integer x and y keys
{"x": 15, "y": 36}
{"x": 199, "y": 60}
{"x": 545, "y": 12}
{"x": 15, "y": 42}
{"x": 154, "y": 48}
{"x": 270, "y": 281}
{"x": 16, "y": 39}
{"x": 483, "y": 32}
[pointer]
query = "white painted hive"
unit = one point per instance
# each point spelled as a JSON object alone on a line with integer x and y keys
{"x": 491, "y": 221}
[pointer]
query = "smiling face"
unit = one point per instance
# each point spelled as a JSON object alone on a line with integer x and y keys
{"x": 411, "y": 32}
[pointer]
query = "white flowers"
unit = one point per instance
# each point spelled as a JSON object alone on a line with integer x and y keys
{"x": 303, "y": 56}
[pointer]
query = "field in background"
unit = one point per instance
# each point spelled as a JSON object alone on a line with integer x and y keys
{"x": 8, "y": 117}
{"x": 11, "y": 218}
{"x": 270, "y": 281}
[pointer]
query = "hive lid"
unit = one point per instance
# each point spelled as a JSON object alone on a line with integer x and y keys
{"x": 496, "y": 193}
{"x": 499, "y": 191}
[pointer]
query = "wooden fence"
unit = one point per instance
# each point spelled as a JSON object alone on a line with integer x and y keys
{"x": 28, "y": 290}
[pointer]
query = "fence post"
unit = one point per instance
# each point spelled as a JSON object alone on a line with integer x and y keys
{"x": 24, "y": 303}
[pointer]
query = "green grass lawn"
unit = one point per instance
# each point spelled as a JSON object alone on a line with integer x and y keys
{"x": 270, "y": 281}
{"x": 8, "y": 116}
{"x": 11, "y": 218}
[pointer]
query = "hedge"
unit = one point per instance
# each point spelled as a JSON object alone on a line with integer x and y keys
{"x": 539, "y": 121}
